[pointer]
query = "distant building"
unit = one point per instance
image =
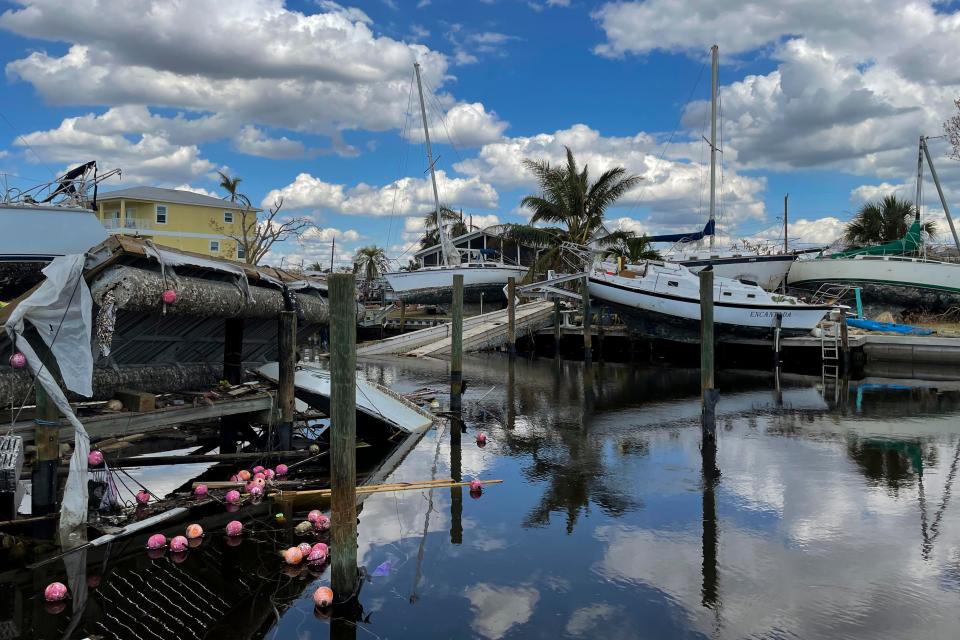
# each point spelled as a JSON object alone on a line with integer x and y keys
{"x": 173, "y": 218}
{"x": 482, "y": 239}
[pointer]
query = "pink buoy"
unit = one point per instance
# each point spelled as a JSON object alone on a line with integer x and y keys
{"x": 95, "y": 458}
{"x": 305, "y": 549}
{"x": 169, "y": 296}
{"x": 322, "y": 523}
{"x": 258, "y": 469}
{"x": 234, "y": 478}
{"x": 318, "y": 553}
{"x": 143, "y": 497}
{"x": 194, "y": 531}
{"x": 259, "y": 475}
{"x": 232, "y": 497}
{"x": 481, "y": 438}
{"x": 179, "y": 544}
{"x": 18, "y": 360}
{"x": 476, "y": 485}
{"x": 55, "y": 592}
{"x": 293, "y": 555}
{"x": 256, "y": 491}
{"x": 244, "y": 475}
{"x": 200, "y": 490}
{"x": 234, "y": 528}
{"x": 269, "y": 473}
{"x": 281, "y": 469}
{"x": 248, "y": 486}
{"x": 323, "y": 597}
{"x": 156, "y": 541}
{"x": 313, "y": 515}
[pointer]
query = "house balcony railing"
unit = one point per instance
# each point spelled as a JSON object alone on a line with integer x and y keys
{"x": 130, "y": 225}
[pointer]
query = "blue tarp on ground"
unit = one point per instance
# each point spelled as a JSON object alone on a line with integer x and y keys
{"x": 873, "y": 325}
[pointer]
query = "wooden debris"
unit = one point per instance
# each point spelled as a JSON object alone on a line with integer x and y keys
{"x": 377, "y": 488}
{"x": 134, "y": 400}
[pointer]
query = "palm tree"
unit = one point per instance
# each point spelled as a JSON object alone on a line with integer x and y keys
{"x": 884, "y": 221}
{"x": 231, "y": 186}
{"x": 634, "y": 249}
{"x": 371, "y": 261}
{"x": 452, "y": 223}
{"x": 572, "y": 205}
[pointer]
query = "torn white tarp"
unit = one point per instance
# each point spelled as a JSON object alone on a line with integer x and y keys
{"x": 61, "y": 310}
{"x": 174, "y": 259}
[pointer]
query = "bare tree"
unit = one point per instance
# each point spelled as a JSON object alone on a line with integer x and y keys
{"x": 257, "y": 235}
{"x": 952, "y": 128}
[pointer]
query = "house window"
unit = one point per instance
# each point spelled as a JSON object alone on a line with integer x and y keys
{"x": 161, "y": 214}
{"x": 228, "y": 217}
{"x": 241, "y": 252}
{"x": 673, "y": 283}
{"x": 214, "y": 246}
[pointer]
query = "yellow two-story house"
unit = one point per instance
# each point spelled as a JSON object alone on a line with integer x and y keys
{"x": 178, "y": 219}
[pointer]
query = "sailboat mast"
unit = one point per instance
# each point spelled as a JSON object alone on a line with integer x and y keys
{"x": 433, "y": 175}
{"x": 936, "y": 181}
{"x": 714, "y": 65}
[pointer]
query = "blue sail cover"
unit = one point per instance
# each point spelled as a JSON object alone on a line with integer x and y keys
{"x": 708, "y": 230}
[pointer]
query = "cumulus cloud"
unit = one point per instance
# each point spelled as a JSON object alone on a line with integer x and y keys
{"x": 402, "y": 197}
{"x": 465, "y": 125}
{"x": 253, "y": 141}
{"x": 673, "y": 188}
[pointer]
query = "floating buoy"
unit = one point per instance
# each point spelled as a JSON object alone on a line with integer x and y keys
{"x": 55, "y": 592}
{"x": 156, "y": 541}
{"x": 143, "y": 497}
{"x": 244, "y": 475}
{"x": 293, "y": 555}
{"x": 234, "y": 528}
{"x": 305, "y": 549}
{"x": 481, "y": 438}
{"x": 258, "y": 469}
{"x": 313, "y": 515}
{"x": 260, "y": 482}
{"x": 200, "y": 490}
{"x": 256, "y": 491}
{"x": 178, "y": 557}
{"x": 194, "y": 531}
{"x": 476, "y": 485}
{"x": 318, "y": 554}
{"x": 169, "y": 296}
{"x": 178, "y": 544}
{"x": 259, "y": 475}
{"x": 269, "y": 473}
{"x": 234, "y": 478}
{"x": 19, "y": 361}
{"x": 322, "y": 523}
{"x": 95, "y": 458}
{"x": 323, "y": 597}
{"x": 232, "y": 497}
{"x": 303, "y": 528}
{"x": 281, "y": 469}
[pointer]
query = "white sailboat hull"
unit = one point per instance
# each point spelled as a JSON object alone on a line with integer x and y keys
{"x": 886, "y": 280}
{"x": 433, "y": 284}
{"x": 768, "y": 272}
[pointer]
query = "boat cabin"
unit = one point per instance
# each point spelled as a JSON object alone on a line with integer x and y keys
{"x": 479, "y": 248}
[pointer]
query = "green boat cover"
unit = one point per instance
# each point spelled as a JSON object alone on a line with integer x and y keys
{"x": 909, "y": 243}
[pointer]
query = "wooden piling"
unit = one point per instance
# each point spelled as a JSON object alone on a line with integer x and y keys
{"x": 556, "y": 326}
{"x": 232, "y": 373}
{"x": 511, "y": 316}
{"x": 403, "y": 315}
{"x": 343, "y": 429}
{"x": 844, "y": 342}
{"x": 456, "y": 492}
{"x": 585, "y": 300}
{"x": 46, "y": 438}
{"x": 456, "y": 344}
{"x": 706, "y": 332}
{"x": 287, "y": 338}
{"x": 777, "y": 324}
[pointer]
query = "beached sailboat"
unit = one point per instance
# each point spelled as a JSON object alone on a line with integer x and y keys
{"x": 894, "y": 275}
{"x": 766, "y": 270}
{"x": 481, "y": 276}
{"x": 662, "y": 300}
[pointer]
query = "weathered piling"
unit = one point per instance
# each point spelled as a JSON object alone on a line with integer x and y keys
{"x": 512, "y": 316}
{"x": 46, "y": 438}
{"x": 844, "y": 342}
{"x": 343, "y": 428}
{"x": 456, "y": 344}
{"x": 556, "y": 326}
{"x": 710, "y": 475}
{"x": 403, "y": 315}
{"x": 456, "y": 492}
{"x": 707, "y": 345}
{"x": 232, "y": 373}
{"x": 585, "y": 300}
{"x": 287, "y": 338}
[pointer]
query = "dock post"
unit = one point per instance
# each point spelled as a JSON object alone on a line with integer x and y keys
{"x": 288, "y": 366}
{"x": 556, "y": 327}
{"x": 600, "y": 334}
{"x": 456, "y": 344}
{"x": 844, "y": 342}
{"x": 46, "y": 437}
{"x": 777, "y": 324}
{"x": 585, "y": 299}
{"x": 706, "y": 331}
{"x": 232, "y": 373}
{"x": 343, "y": 428}
{"x": 512, "y": 316}
{"x": 403, "y": 315}
{"x": 456, "y": 493}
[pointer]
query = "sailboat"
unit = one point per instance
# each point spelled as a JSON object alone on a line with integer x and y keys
{"x": 892, "y": 275}
{"x": 481, "y": 276}
{"x": 765, "y": 270}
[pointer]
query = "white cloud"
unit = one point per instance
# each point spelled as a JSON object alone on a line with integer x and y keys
{"x": 253, "y": 141}
{"x": 200, "y": 190}
{"x": 465, "y": 125}
{"x": 498, "y": 609}
{"x": 326, "y": 235}
{"x": 401, "y": 197}
{"x": 673, "y": 187}
{"x": 805, "y": 232}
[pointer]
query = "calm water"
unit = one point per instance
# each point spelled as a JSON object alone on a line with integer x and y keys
{"x": 831, "y": 518}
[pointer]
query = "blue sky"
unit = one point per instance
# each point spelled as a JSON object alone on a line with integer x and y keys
{"x": 309, "y": 100}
